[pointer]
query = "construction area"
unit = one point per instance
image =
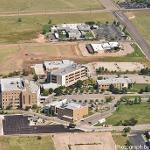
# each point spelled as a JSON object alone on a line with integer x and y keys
{"x": 115, "y": 66}
{"x": 84, "y": 141}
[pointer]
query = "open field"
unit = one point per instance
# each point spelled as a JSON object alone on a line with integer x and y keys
{"x": 141, "y": 21}
{"x": 84, "y": 141}
{"x": 26, "y": 142}
{"x": 24, "y": 55}
{"x": 49, "y": 5}
{"x": 137, "y": 111}
{"x": 12, "y": 31}
{"x": 138, "y": 87}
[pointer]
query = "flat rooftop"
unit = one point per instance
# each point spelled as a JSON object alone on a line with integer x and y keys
{"x": 73, "y": 105}
{"x": 114, "y": 81}
{"x": 11, "y": 84}
{"x": 18, "y": 84}
{"x": 49, "y": 65}
{"x": 67, "y": 70}
{"x": 39, "y": 70}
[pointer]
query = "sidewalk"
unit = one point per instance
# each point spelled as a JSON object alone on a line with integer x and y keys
{"x": 1, "y": 125}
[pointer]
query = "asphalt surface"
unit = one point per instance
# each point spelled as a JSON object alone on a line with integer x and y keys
{"x": 133, "y": 32}
{"x": 19, "y": 124}
{"x": 137, "y": 141}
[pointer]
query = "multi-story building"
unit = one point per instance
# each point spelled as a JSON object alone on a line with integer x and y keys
{"x": 18, "y": 93}
{"x": 72, "y": 112}
{"x": 69, "y": 75}
{"x": 67, "y": 110}
{"x": 116, "y": 82}
{"x": 30, "y": 94}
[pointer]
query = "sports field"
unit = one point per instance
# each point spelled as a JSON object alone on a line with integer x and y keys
{"x": 12, "y": 31}
{"x": 141, "y": 20}
{"x": 48, "y": 5}
{"x": 26, "y": 143}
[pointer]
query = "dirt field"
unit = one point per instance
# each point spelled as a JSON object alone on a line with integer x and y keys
{"x": 84, "y": 141}
{"x": 15, "y": 57}
{"x": 115, "y": 66}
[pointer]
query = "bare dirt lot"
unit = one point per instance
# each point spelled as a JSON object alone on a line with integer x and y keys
{"x": 84, "y": 141}
{"x": 115, "y": 66}
{"x": 15, "y": 57}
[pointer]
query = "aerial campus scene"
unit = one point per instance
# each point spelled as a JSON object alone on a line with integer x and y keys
{"x": 75, "y": 74}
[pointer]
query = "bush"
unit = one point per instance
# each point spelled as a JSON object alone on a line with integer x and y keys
{"x": 46, "y": 28}
{"x": 19, "y": 20}
{"x": 127, "y": 130}
{"x": 39, "y": 137}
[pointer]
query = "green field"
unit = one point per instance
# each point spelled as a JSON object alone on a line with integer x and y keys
{"x": 142, "y": 22}
{"x": 12, "y": 31}
{"x": 26, "y": 143}
{"x": 119, "y": 140}
{"x": 137, "y": 87}
{"x": 137, "y": 111}
{"x": 48, "y": 5}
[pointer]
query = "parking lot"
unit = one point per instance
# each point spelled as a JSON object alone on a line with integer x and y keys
{"x": 138, "y": 141}
{"x": 109, "y": 32}
{"x": 19, "y": 124}
{"x": 134, "y": 5}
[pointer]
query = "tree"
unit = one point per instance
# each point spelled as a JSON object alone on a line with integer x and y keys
{"x": 46, "y": 28}
{"x": 50, "y": 21}
{"x": 127, "y": 130}
{"x": 141, "y": 91}
{"x": 35, "y": 77}
{"x": 79, "y": 84}
{"x": 27, "y": 108}
{"x": 45, "y": 93}
{"x": 124, "y": 90}
{"x": 59, "y": 91}
{"x": 51, "y": 91}
{"x": 137, "y": 100}
{"x": 34, "y": 106}
{"x": 109, "y": 99}
{"x": 25, "y": 73}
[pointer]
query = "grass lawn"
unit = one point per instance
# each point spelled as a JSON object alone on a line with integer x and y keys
{"x": 26, "y": 143}
{"x": 136, "y": 56}
{"x": 142, "y": 22}
{"x": 119, "y": 140}
{"x": 49, "y": 5}
{"x": 138, "y": 87}
{"x": 141, "y": 112}
{"x": 12, "y": 31}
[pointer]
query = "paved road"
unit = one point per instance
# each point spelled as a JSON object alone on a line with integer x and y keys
{"x": 134, "y": 32}
{"x": 98, "y": 96}
{"x": 88, "y": 128}
{"x": 11, "y": 14}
